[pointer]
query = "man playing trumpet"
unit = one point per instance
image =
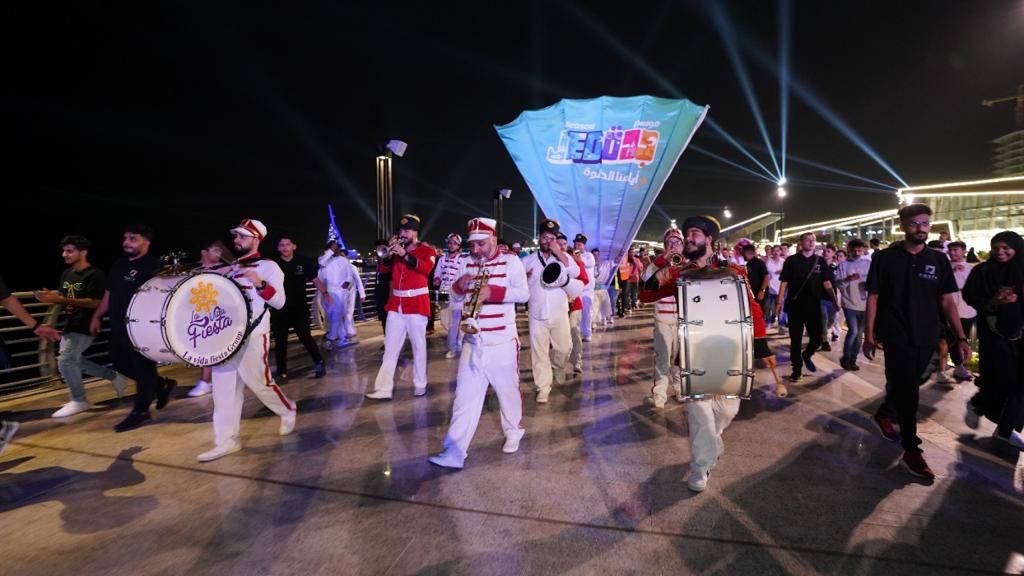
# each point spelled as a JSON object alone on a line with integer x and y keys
{"x": 490, "y": 351}
{"x": 410, "y": 263}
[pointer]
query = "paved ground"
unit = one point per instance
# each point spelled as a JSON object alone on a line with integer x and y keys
{"x": 806, "y": 485}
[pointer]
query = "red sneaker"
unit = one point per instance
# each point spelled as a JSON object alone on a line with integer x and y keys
{"x": 885, "y": 426}
{"x": 914, "y": 462}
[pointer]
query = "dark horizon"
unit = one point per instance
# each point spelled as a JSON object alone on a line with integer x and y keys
{"x": 192, "y": 117}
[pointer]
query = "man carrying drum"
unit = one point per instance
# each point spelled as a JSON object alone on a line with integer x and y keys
{"x": 263, "y": 282}
{"x": 709, "y": 416}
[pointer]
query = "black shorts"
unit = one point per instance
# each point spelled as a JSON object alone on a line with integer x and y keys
{"x": 761, "y": 349}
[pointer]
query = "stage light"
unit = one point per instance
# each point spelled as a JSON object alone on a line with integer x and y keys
{"x": 727, "y": 213}
{"x": 673, "y": 223}
{"x": 505, "y": 193}
{"x": 397, "y": 147}
{"x": 781, "y": 190}
{"x": 782, "y": 181}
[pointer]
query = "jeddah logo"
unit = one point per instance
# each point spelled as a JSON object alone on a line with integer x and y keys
{"x": 584, "y": 144}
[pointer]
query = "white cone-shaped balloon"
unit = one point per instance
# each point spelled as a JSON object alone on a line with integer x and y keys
{"x": 598, "y": 165}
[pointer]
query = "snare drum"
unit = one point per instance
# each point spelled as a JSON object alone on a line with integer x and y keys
{"x": 199, "y": 319}
{"x": 716, "y": 335}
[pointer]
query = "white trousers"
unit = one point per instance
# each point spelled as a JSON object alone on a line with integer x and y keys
{"x": 602, "y": 305}
{"x": 454, "y": 333}
{"x": 575, "y": 334}
{"x": 337, "y": 313}
{"x": 666, "y": 360}
{"x": 550, "y": 343}
{"x": 587, "y": 318}
{"x": 248, "y": 367}
{"x": 350, "y": 312}
{"x": 399, "y": 326}
{"x": 707, "y": 420}
{"x": 497, "y": 366}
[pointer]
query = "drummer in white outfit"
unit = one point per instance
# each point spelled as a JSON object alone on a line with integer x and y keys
{"x": 263, "y": 282}
{"x": 491, "y": 356}
{"x": 445, "y": 274}
{"x": 551, "y": 275}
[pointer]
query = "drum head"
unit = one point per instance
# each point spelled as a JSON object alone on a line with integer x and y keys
{"x": 206, "y": 319}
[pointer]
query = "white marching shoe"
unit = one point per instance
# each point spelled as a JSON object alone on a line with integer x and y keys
{"x": 287, "y": 423}
{"x": 448, "y": 459}
{"x": 70, "y": 409}
{"x": 202, "y": 388}
{"x": 229, "y": 447}
{"x": 511, "y": 445}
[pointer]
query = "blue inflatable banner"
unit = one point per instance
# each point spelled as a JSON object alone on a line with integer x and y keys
{"x": 598, "y": 165}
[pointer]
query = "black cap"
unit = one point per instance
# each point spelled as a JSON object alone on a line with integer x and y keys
{"x": 548, "y": 225}
{"x": 580, "y": 238}
{"x": 561, "y": 236}
{"x": 409, "y": 222}
{"x": 707, "y": 224}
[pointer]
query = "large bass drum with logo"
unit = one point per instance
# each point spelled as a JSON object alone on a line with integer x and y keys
{"x": 199, "y": 319}
{"x": 716, "y": 334}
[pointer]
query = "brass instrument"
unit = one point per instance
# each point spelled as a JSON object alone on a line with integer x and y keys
{"x": 471, "y": 309}
{"x": 382, "y": 252}
{"x": 676, "y": 259}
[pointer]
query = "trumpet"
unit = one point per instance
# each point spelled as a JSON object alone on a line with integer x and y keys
{"x": 382, "y": 252}
{"x": 471, "y": 309}
{"x": 676, "y": 259}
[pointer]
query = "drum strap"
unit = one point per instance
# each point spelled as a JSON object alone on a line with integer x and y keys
{"x": 249, "y": 329}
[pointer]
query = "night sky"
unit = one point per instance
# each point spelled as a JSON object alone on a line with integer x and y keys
{"x": 193, "y": 115}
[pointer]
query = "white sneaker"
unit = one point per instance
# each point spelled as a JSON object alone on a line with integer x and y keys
{"x": 70, "y": 409}
{"x": 202, "y": 388}
{"x": 120, "y": 384}
{"x": 971, "y": 417}
{"x": 287, "y": 424}
{"x": 419, "y": 391}
{"x": 962, "y": 373}
{"x": 654, "y": 401}
{"x": 447, "y": 459}
{"x": 229, "y": 447}
{"x": 941, "y": 378}
{"x": 1015, "y": 439}
{"x": 542, "y": 396}
{"x": 586, "y": 338}
{"x": 7, "y": 432}
{"x": 451, "y": 354}
{"x": 511, "y": 445}
{"x": 698, "y": 480}
{"x": 379, "y": 395}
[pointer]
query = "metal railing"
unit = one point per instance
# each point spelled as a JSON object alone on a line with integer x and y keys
{"x": 34, "y": 360}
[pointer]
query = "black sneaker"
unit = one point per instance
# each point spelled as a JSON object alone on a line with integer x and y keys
{"x": 319, "y": 370}
{"x": 795, "y": 376}
{"x": 809, "y": 363}
{"x": 844, "y": 364}
{"x": 133, "y": 421}
{"x": 163, "y": 392}
{"x": 885, "y": 426}
{"x": 825, "y": 347}
{"x": 854, "y": 366}
{"x": 914, "y": 462}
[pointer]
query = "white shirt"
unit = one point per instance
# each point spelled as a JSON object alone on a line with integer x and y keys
{"x": 605, "y": 273}
{"x": 335, "y": 271}
{"x": 358, "y": 281}
{"x": 961, "y": 270}
{"x": 447, "y": 270}
{"x": 591, "y": 266}
{"x": 271, "y": 273}
{"x": 546, "y": 301}
{"x": 774, "y": 272}
{"x": 507, "y": 282}
{"x": 665, "y": 310}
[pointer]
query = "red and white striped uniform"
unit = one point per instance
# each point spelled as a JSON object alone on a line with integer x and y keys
{"x": 249, "y": 366}
{"x": 447, "y": 271}
{"x": 497, "y": 318}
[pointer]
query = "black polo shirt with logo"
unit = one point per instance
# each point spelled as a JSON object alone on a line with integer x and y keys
{"x": 909, "y": 288}
{"x": 124, "y": 279}
{"x": 297, "y": 273}
{"x": 805, "y": 277}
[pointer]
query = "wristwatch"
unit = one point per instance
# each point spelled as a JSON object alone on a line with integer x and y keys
{"x": 261, "y": 285}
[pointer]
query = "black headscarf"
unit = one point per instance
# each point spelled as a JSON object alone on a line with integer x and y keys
{"x": 988, "y": 277}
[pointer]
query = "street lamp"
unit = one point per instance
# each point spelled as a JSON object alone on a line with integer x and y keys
{"x": 673, "y": 223}
{"x": 499, "y": 210}
{"x": 727, "y": 213}
{"x": 385, "y": 204}
{"x": 781, "y": 192}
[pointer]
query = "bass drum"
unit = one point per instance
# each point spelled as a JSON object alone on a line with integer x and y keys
{"x": 716, "y": 335}
{"x": 199, "y": 319}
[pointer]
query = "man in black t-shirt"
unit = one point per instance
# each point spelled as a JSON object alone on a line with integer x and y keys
{"x": 80, "y": 292}
{"x": 298, "y": 271}
{"x": 126, "y": 276}
{"x": 805, "y": 280}
{"x": 908, "y": 285}
{"x": 757, "y": 273}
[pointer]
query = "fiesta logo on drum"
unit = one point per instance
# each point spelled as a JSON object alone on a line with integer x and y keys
{"x": 208, "y": 319}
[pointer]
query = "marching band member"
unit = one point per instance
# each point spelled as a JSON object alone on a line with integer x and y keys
{"x": 350, "y": 309}
{"x": 708, "y": 417}
{"x": 410, "y": 263}
{"x": 579, "y": 243}
{"x": 444, "y": 275}
{"x": 491, "y": 355}
{"x": 576, "y": 310}
{"x": 549, "y": 272}
{"x": 604, "y": 309}
{"x": 337, "y": 278}
{"x": 666, "y": 325}
{"x": 263, "y": 282}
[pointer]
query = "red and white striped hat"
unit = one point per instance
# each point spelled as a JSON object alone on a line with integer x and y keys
{"x": 252, "y": 228}
{"x": 482, "y": 228}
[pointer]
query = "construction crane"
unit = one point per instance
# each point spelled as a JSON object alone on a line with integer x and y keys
{"x": 1019, "y": 109}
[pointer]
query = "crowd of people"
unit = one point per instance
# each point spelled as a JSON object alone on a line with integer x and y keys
{"x": 919, "y": 301}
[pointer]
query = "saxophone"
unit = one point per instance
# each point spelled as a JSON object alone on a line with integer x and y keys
{"x": 471, "y": 309}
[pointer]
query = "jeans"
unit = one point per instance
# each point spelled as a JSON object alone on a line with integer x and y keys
{"x": 828, "y": 316}
{"x": 71, "y": 363}
{"x": 768, "y": 307}
{"x": 854, "y": 333}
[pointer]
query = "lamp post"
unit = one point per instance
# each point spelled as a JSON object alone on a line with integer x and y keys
{"x": 499, "y": 210}
{"x": 385, "y": 199}
{"x": 782, "y": 193}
